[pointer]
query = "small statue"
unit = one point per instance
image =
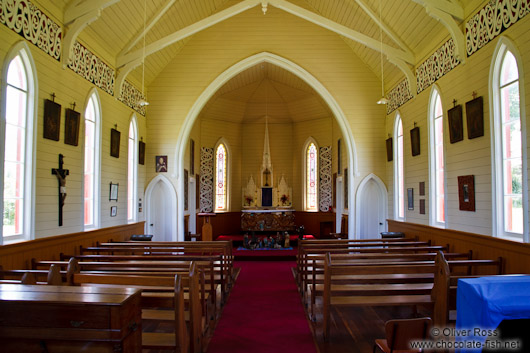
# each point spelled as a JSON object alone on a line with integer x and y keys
{"x": 271, "y": 242}
{"x": 287, "y": 240}
{"x": 246, "y": 241}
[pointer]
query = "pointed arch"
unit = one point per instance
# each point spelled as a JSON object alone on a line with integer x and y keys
{"x": 132, "y": 170}
{"x": 381, "y": 205}
{"x": 20, "y": 61}
{"x": 92, "y": 161}
{"x": 170, "y": 194}
{"x": 237, "y": 68}
{"x": 508, "y": 128}
{"x": 399, "y": 172}
{"x": 310, "y": 177}
{"x": 222, "y": 175}
{"x": 437, "y": 175}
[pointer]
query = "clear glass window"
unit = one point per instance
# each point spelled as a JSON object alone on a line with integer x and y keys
{"x": 399, "y": 172}
{"x": 132, "y": 162}
{"x": 91, "y": 118}
{"x": 438, "y": 164}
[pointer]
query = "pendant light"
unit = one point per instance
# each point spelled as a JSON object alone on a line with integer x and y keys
{"x": 383, "y": 99}
{"x": 143, "y": 101}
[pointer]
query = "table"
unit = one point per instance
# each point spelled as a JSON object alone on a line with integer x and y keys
{"x": 482, "y": 303}
{"x": 69, "y": 319}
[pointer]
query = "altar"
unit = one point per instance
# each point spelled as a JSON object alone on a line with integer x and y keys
{"x": 273, "y": 220}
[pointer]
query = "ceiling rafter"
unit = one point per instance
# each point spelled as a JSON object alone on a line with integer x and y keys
{"x": 389, "y": 32}
{"x": 77, "y": 16}
{"x": 449, "y": 14}
{"x": 154, "y": 20}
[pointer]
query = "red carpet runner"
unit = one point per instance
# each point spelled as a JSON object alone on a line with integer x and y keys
{"x": 264, "y": 313}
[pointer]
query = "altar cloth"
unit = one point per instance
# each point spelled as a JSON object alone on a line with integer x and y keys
{"x": 482, "y": 303}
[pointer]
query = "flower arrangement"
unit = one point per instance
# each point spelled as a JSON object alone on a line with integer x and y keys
{"x": 248, "y": 200}
{"x": 284, "y": 199}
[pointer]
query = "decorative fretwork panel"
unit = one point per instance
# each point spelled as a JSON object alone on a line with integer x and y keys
{"x": 325, "y": 179}
{"x": 206, "y": 183}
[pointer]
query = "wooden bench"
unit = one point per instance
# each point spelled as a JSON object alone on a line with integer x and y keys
{"x": 385, "y": 294}
{"x": 53, "y": 276}
{"x": 163, "y": 299}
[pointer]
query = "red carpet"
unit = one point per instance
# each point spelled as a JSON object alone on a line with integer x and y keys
{"x": 264, "y": 313}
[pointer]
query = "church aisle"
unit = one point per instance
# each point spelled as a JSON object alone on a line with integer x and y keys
{"x": 264, "y": 312}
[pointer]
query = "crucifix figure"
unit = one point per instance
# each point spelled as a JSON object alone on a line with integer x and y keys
{"x": 61, "y": 174}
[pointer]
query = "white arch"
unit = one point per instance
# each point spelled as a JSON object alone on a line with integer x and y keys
{"x": 172, "y": 196}
{"x": 235, "y": 70}
{"x": 21, "y": 48}
{"x": 384, "y": 196}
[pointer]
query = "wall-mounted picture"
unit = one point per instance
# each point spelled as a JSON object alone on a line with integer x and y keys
{"x": 161, "y": 164}
{"x": 141, "y": 152}
{"x": 422, "y": 188}
{"x": 389, "y": 150}
{"x": 456, "y": 126}
{"x": 475, "y": 118}
{"x": 115, "y": 143}
{"x": 422, "y": 206}
{"x": 113, "y": 211}
{"x": 466, "y": 192}
{"x": 186, "y": 186}
{"x": 113, "y": 195}
{"x": 52, "y": 120}
{"x": 410, "y": 198}
{"x": 71, "y": 127}
{"x": 192, "y": 157}
{"x": 415, "y": 141}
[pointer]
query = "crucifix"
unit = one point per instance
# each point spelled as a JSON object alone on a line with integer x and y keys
{"x": 61, "y": 174}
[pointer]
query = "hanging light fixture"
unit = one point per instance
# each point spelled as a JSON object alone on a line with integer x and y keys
{"x": 383, "y": 99}
{"x": 143, "y": 101}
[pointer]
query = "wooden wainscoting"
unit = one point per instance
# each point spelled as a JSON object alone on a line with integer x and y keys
{"x": 516, "y": 255}
{"x": 19, "y": 255}
{"x": 316, "y": 223}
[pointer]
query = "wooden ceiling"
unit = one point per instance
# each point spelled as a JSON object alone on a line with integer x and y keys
{"x": 410, "y": 29}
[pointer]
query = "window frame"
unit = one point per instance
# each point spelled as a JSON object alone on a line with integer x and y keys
{"x": 435, "y": 92}
{"x": 97, "y": 162}
{"x": 134, "y": 161}
{"x": 397, "y": 163}
{"x": 28, "y": 223}
{"x": 498, "y": 221}
{"x": 308, "y": 142}
{"x": 223, "y": 142}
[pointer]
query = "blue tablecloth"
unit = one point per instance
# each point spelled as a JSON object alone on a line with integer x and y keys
{"x": 482, "y": 303}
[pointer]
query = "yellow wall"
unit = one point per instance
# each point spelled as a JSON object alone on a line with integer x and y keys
{"x": 69, "y": 88}
{"x": 465, "y": 157}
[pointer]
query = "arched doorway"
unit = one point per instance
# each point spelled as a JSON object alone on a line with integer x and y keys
{"x": 161, "y": 202}
{"x": 235, "y": 70}
{"x": 371, "y": 208}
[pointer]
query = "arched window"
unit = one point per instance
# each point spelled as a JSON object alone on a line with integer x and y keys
{"x": 132, "y": 170}
{"x": 17, "y": 147}
{"x": 311, "y": 176}
{"x": 436, "y": 158}
{"x": 92, "y": 162}
{"x": 221, "y": 179}
{"x": 399, "y": 180}
{"x": 510, "y": 181}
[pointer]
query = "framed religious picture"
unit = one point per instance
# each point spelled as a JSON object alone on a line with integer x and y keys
{"x": 422, "y": 188}
{"x": 186, "y": 181}
{"x": 475, "y": 118}
{"x": 113, "y": 193}
{"x": 141, "y": 152}
{"x": 410, "y": 198}
{"x": 71, "y": 127}
{"x": 115, "y": 143}
{"x": 415, "y": 141}
{"x": 113, "y": 211}
{"x": 339, "y": 156}
{"x": 389, "y": 150}
{"x": 52, "y": 120}
{"x": 422, "y": 206}
{"x": 161, "y": 164}
{"x": 345, "y": 178}
{"x": 466, "y": 193}
{"x": 192, "y": 157}
{"x": 456, "y": 127}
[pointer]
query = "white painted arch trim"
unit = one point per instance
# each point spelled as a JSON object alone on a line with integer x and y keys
{"x": 174, "y": 209}
{"x": 384, "y": 196}
{"x": 229, "y": 74}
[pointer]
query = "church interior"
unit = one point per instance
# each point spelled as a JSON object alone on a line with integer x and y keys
{"x": 264, "y": 175}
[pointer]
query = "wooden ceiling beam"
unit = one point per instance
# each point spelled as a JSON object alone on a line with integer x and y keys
{"x": 148, "y": 27}
{"x": 448, "y": 13}
{"x": 77, "y": 16}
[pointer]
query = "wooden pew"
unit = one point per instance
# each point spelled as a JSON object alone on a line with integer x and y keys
{"x": 53, "y": 276}
{"x": 383, "y": 295}
{"x": 155, "y": 295}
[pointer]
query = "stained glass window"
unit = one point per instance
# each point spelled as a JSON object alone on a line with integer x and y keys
{"x": 220, "y": 178}
{"x": 311, "y": 178}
